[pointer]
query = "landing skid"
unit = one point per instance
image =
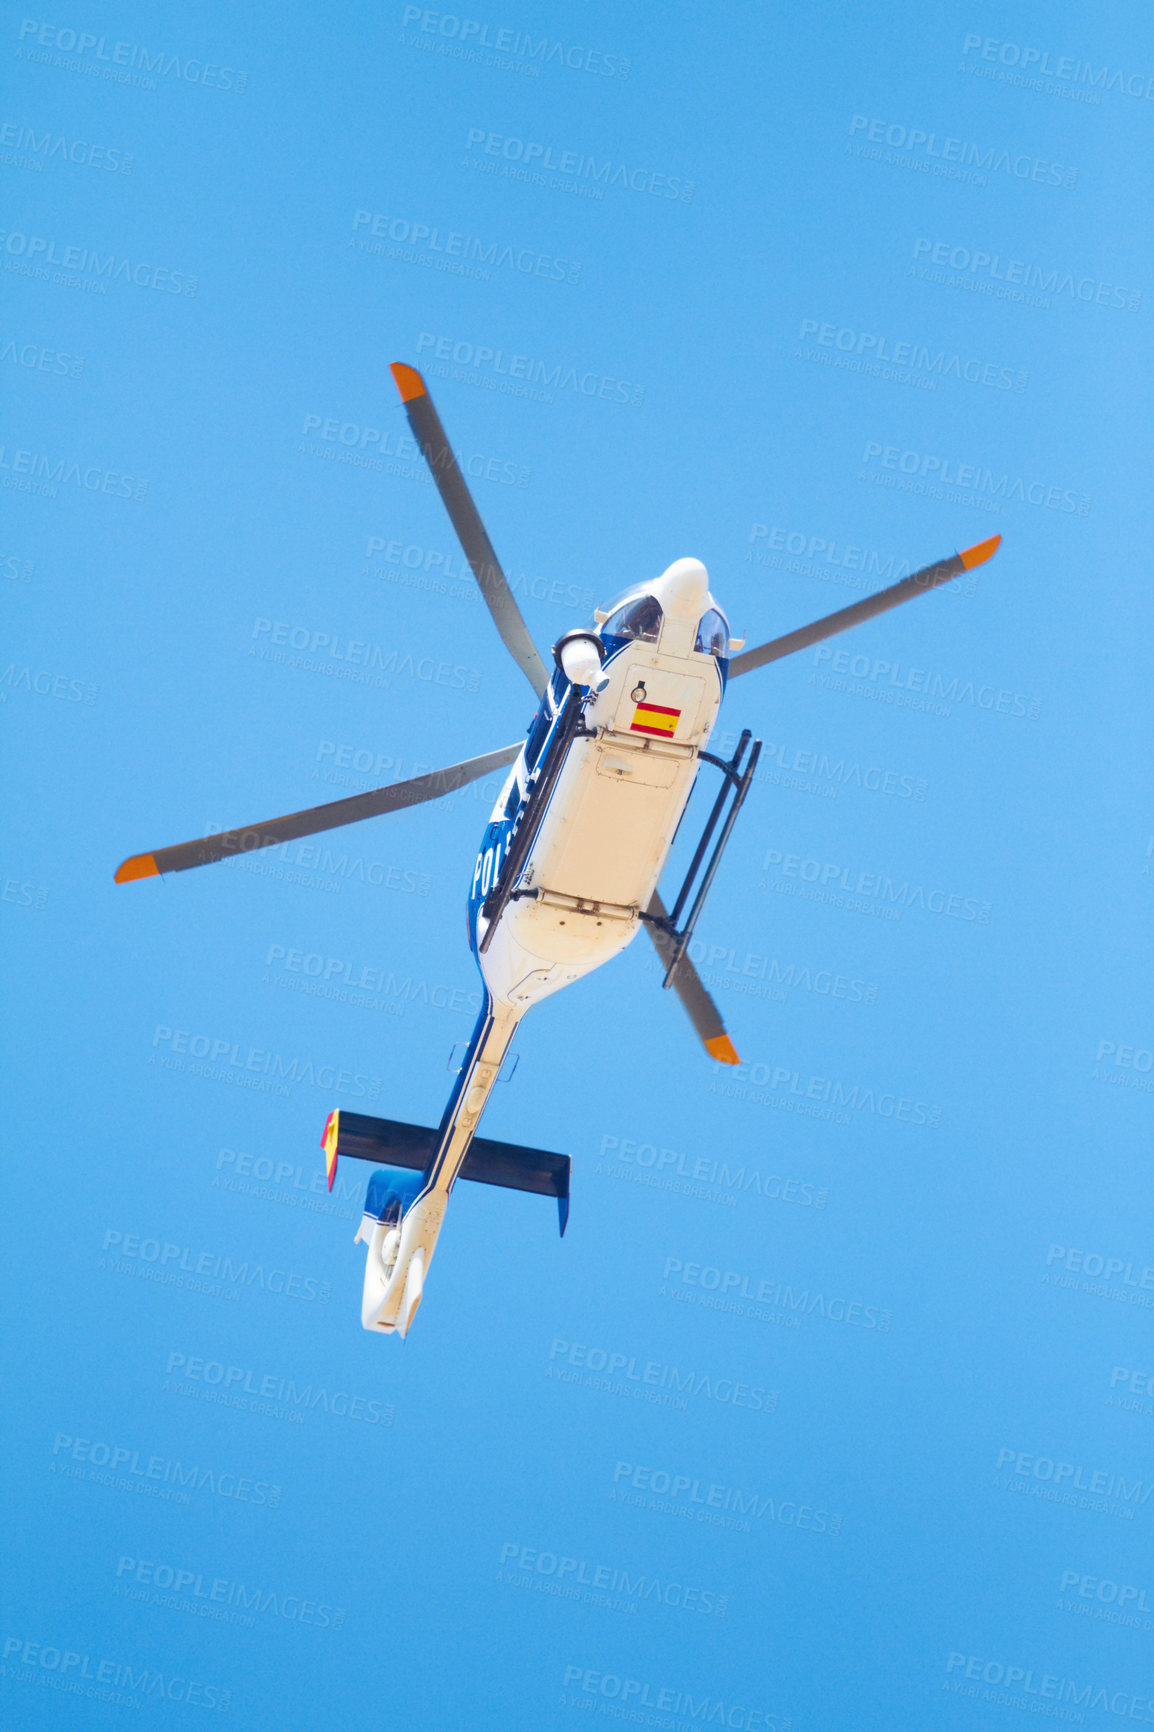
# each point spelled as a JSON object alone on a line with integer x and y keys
{"x": 674, "y": 942}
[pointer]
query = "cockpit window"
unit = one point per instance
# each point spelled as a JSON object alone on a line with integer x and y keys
{"x": 713, "y": 634}
{"x": 640, "y": 619}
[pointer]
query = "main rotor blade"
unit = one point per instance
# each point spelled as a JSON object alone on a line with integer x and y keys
{"x": 928, "y": 578}
{"x": 471, "y": 533}
{"x": 394, "y": 798}
{"x": 703, "y": 1013}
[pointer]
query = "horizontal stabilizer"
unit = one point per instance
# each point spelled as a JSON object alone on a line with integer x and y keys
{"x": 394, "y": 1144}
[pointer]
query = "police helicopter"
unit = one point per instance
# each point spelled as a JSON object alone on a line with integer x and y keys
{"x": 569, "y": 864}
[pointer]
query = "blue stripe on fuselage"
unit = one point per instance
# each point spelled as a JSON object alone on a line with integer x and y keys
{"x": 500, "y": 831}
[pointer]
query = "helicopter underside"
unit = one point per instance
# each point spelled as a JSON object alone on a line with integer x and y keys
{"x": 598, "y": 854}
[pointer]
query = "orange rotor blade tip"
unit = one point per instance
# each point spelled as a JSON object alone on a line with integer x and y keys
{"x": 980, "y": 552}
{"x": 409, "y": 381}
{"x": 722, "y": 1049}
{"x": 329, "y": 1144}
{"x": 137, "y": 866}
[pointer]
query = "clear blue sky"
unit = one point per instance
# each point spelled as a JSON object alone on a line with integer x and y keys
{"x": 818, "y": 296}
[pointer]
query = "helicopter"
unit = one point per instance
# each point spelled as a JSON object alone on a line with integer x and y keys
{"x": 568, "y": 868}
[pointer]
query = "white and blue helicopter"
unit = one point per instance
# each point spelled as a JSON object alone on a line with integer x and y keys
{"x": 569, "y": 864}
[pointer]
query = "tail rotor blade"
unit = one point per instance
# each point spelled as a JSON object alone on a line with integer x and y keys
{"x": 686, "y": 983}
{"x": 928, "y": 578}
{"x": 465, "y": 518}
{"x": 394, "y": 798}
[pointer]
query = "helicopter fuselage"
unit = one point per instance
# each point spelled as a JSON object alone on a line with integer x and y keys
{"x": 609, "y": 817}
{"x": 568, "y": 864}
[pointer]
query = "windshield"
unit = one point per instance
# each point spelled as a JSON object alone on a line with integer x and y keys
{"x": 640, "y": 619}
{"x": 713, "y": 634}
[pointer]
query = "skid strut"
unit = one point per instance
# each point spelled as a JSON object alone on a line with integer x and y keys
{"x": 734, "y": 788}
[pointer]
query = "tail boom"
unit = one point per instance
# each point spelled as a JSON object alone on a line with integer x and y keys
{"x": 403, "y": 1235}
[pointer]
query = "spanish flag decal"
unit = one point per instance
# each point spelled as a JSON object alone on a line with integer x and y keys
{"x": 655, "y": 719}
{"x": 329, "y": 1144}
